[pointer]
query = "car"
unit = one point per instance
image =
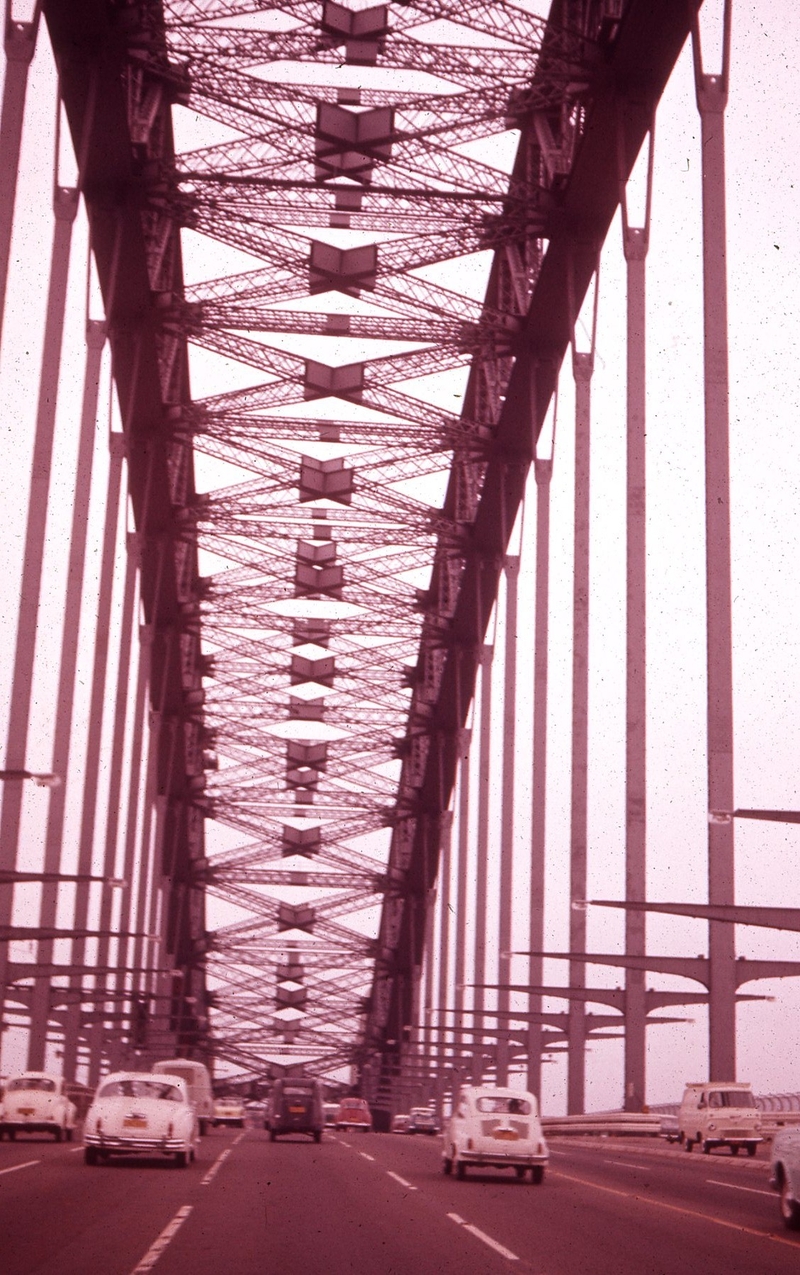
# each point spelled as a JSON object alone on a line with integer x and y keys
{"x": 719, "y": 1114}
{"x": 141, "y": 1113}
{"x": 329, "y": 1110}
{"x": 785, "y": 1174}
{"x": 495, "y": 1127}
{"x": 229, "y": 1111}
{"x": 400, "y": 1123}
{"x": 354, "y": 1113}
{"x": 198, "y": 1080}
{"x": 422, "y": 1120}
{"x": 669, "y": 1128}
{"x": 37, "y": 1102}
{"x": 295, "y": 1106}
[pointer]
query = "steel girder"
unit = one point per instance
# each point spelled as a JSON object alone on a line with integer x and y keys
{"x": 118, "y": 136}
{"x": 624, "y": 87}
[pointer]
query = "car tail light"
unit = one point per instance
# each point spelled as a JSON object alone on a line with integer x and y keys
{"x": 170, "y": 1130}
{"x": 99, "y": 1123}
{"x": 469, "y": 1144}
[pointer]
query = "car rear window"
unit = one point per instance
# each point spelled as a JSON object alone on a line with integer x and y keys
{"x": 501, "y": 1105}
{"x": 141, "y": 1089}
{"x": 32, "y": 1082}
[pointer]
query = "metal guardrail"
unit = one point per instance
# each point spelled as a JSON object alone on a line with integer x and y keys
{"x": 621, "y": 1123}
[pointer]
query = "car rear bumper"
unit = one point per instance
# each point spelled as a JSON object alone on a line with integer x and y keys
{"x": 503, "y": 1159}
{"x": 115, "y": 1142}
{"x": 31, "y": 1126}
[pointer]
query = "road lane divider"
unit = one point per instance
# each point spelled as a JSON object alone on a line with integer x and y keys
{"x": 164, "y": 1239}
{"x": 484, "y": 1238}
{"x": 408, "y": 1185}
{"x": 752, "y": 1190}
{"x": 15, "y": 1167}
{"x": 216, "y": 1166}
{"x": 626, "y": 1164}
{"x": 366, "y": 1156}
{"x": 676, "y": 1208}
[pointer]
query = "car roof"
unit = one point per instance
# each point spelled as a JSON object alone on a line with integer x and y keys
{"x": 159, "y": 1076}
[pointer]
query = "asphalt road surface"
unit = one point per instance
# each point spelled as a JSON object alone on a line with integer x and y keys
{"x": 378, "y": 1204}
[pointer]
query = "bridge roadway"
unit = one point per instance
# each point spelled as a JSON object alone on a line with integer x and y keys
{"x": 379, "y": 1205}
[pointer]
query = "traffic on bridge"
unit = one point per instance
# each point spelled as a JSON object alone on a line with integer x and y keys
{"x": 398, "y": 804}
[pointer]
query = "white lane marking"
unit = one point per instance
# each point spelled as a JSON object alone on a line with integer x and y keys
{"x": 74, "y": 1150}
{"x": 484, "y": 1238}
{"x": 27, "y": 1164}
{"x": 626, "y": 1164}
{"x": 402, "y": 1181}
{"x": 157, "y": 1247}
{"x": 364, "y": 1156}
{"x": 731, "y": 1186}
{"x": 343, "y": 1143}
{"x": 216, "y": 1166}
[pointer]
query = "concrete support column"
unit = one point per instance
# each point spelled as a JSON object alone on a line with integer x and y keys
{"x": 543, "y": 470}
{"x": 484, "y": 796}
{"x": 635, "y": 242}
{"x": 65, "y": 208}
{"x": 507, "y": 813}
{"x": 582, "y": 366}
{"x": 19, "y": 43}
{"x": 712, "y": 98}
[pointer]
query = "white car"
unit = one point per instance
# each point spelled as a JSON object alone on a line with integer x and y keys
{"x": 37, "y": 1102}
{"x": 493, "y": 1127}
{"x": 135, "y": 1112}
{"x": 229, "y": 1111}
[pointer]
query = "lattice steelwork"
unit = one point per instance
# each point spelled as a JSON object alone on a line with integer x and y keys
{"x": 347, "y": 175}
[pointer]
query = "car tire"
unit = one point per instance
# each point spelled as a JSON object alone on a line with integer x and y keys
{"x": 752, "y": 1147}
{"x": 537, "y": 1174}
{"x": 317, "y": 1135}
{"x": 706, "y": 1147}
{"x": 58, "y": 1134}
{"x": 68, "y": 1133}
{"x": 272, "y": 1135}
{"x": 447, "y": 1166}
{"x": 181, "y": 1159}
{"x": 734, "y": 1148}
{"x": 461, "y": 1169}
{"x": 90, "y": 1156}
{"x": 520, "y": 1171}
{"x": 790, "y": 1210}
{"x": 688, "y": 1144}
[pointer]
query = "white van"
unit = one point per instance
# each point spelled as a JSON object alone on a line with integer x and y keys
{"x": 199, "y": 1084}
{"x": 719, "y": 1114}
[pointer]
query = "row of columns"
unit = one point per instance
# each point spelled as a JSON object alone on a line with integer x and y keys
{"x": 492, "y": 1025}
{"x": 90, "y": 1023}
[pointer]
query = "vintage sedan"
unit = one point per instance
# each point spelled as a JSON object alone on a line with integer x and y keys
{"x": 136, "y": 1112}
{"x": 785, "y": 1174}
{"x": 37, "y": 1102}
{"x": 498, "y": 1128}
{"x": 229, "y": 1111}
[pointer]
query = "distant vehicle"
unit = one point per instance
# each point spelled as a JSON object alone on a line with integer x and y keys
{"x": 329, "y": 1110}
{"x": 719, "y": 1114}
{"x": 228, "y": 1111}
{"x": 400, "y": 1123}
{"x": 37, "y": 1102}
{"x": 141, "y": 1113}
{"x": 295, "y": 1106}
{"x": 354, "y": 1113}
{"x": 785, "y": 1175}
{"x": 198, "y": 1082}
{"x": 422, "y": 1120}
{"x": 498, "y": 1128}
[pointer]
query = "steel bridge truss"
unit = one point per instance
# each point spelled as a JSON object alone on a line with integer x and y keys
{"x": 419, "y": 193}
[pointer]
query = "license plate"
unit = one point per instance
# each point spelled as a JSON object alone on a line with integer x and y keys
{"x": 26, "y": 1111}
{"x": 133, "y": 1123}
{"x": 507, "y": 1134}
{"x": 298, "y": 1111}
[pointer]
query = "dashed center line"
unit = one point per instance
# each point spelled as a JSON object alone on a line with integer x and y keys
{"x": 15, "y": 1167}
{"x": 216, "y": 1166}
{"x": 365, "y": 1156}
{"x": 484, "y": 1238}
{"x": 167, "y": 1235}
{"x": 753, "y": 1190}
{"x": 408, "y": 1185}
{"x": 626, "y": 1164}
